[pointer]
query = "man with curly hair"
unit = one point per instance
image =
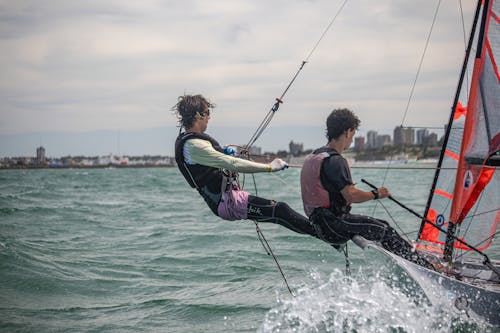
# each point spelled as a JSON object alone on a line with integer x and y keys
{"x": 212, "y": 170}
{"x": 328, "y": 192}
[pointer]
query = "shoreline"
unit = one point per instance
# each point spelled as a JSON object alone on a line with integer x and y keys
{"x": 87, "y": 167}
{"x": 378, "y": 164}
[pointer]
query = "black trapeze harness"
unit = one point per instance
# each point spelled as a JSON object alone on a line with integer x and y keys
{"x": 209, "y": 181}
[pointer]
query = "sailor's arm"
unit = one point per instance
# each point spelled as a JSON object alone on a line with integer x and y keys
{"x": 352, "y": 194}
{"x": 202, "y": 152}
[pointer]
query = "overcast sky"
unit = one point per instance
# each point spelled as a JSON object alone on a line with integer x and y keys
{"x": 84, "y": 66}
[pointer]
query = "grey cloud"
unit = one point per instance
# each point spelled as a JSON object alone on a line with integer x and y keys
{"x": 123, "y": 64}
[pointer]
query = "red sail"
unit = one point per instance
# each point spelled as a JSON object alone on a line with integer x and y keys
{"x": 469, "y": 196}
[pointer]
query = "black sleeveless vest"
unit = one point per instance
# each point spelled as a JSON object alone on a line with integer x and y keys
{"x": 207, "y": 180}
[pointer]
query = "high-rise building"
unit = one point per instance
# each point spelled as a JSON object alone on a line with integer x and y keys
{"x": 40, "y": 156}
{"x": 371, "y": 139}
{"x": 404, "y": 136}
{"x": 296, "y": 149}
{"x": 383, "y": 140}
{"x": 421, "y": 135}
{"x": 430, "y": 140}
{"x": 359, "y": 143}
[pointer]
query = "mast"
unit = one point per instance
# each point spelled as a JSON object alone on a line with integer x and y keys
{"x": 452, "y": 115}
{"x": 450, "y": 235}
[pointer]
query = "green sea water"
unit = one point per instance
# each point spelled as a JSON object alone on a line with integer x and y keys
{"x": 137, "y": 250}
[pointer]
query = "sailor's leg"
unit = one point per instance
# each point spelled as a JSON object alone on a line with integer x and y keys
{"x": 379, "y": 230}
{"x": 325, "y": 225}
{"x": 264, "y": 210}
{"x": 374, "y": 230}
{"x": 368, "y": 227}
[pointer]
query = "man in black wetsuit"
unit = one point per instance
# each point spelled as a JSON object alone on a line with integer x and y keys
{"x": 212, "y": 170}
{"x": 328, "y": 191}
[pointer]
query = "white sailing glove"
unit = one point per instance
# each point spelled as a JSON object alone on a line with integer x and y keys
{"x": 278, "y": 164}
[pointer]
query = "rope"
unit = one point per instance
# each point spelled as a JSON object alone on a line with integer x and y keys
{"x": 413, "y": 85}
{"x": 394, "y": 221}
{"x": 269, "y": 116}
{"x": 421, "y": 62}
{"x": 262, "y": 127}
{"x": 465, "y": 48}
{"x": 478, "y": 243}
{"x": 347, "y": 262}
{"x": 255, "y": 184}
{"x": 486, "y": 259}
{"x": 269, "y": 252}
{"x": 384, "y": 167}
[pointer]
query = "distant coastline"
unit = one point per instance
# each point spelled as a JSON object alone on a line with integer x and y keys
{"x": 86, "y": 167}
{"x": 88, "y": 162}
{"x": 366, "y": 159}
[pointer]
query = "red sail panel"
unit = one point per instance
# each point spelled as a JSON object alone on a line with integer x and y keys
{"x": 467, "y": 190}
{"x": 460, "y": 111}
{"x": 440, "y": 206}
{"x": 476, "y": 192}
{"x": 482, "y": 181}
{"x": 430, "y": 233}
{"x": 467, "y": 174}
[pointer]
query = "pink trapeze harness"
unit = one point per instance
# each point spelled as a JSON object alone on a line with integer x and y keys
{"x": 233, "y": 205}
{"x": 234, "y": 201}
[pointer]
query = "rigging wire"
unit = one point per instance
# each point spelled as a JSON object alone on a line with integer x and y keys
{"x": 269, "y": 116}
{"x": 482, "y": 213}
{"x": 479, "y": 243}
{"x": 419, "y": 68}
{"x": 470, "y": 217}
{"x": 486, "y": 259}
{"x": 394, "y": 167}
{"x": 466, "y": 231}
{"x": 413, "y": 87}
{"x": 269, "y": 252}
{"x": 265, "y": 123}
{"x": 465, "y": 47}
{"x": 347, "y": 261}
{"x": 423, "y": 127}
{"x": 421, "y": 62}
{"x": 447, "y": 135}
{"x": 394, "y": 221}
{"x": 458, "y": 256}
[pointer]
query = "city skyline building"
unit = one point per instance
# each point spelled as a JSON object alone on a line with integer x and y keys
{"x": 40, "y": 156}
{"x": 430, "y": 140}
{"x": 296, "y": 148}
{"x": 421, "y": 134}
{"x": 404, "y": 136}
{"x": 383, "y": 140}
{"x": 371, "y": 139}
{"x": 359, "y": 143}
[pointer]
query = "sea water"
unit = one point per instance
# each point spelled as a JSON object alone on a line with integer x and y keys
{"x": 137, "y": 250}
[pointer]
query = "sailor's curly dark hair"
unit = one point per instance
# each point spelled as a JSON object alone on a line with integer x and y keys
{"x": 188, "y": 106}
{"x": 339, "y": 121}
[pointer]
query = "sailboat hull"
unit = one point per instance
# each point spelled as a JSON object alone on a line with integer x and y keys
{"x": 480, "y": 302}
{"x": 469, "y": 299}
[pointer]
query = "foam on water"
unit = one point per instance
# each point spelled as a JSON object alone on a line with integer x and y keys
{"x": 364, "y": 302}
